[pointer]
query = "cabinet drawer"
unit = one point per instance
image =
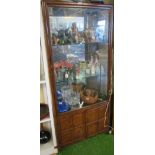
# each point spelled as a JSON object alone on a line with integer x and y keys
{"x": 79, "y": 133}
{"x": 91, "y": 115}
{"x": 66, "y": 136}
{"x": 78, "y": 119}
{"x": 65, "y": 122}
{"x": 92, "y": 129}
{"x": 101, "y": 111}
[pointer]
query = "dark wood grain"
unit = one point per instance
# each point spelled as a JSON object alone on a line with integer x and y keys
{"x": 83, "y": 123}
{"x": 101, "y": 111}
{"x": 92, "y": 129}
{"x": 67, "y": 136}
{"x": 78, "y": 119}
{"x": 66, "y": 122}
{"x": 79, "y": 133}
{"x": 91, "y": 115}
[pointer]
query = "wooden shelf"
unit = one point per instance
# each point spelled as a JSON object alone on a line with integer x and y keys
{"x": 45, "y": 120}
{"x": 47, "y": 149}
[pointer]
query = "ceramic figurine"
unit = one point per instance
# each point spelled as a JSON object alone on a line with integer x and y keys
{"x": 81, "y": 104}
{"x": 86, "y": 35}
{"x": 74, "y": 28}
{"x": 81, "y": 37}
{"x": 76, "y": 38}
{"x": 90, "y": 35}
{"x": 68, "y": 33}
{"x": 55, "y": 39}
{"x": 62, "y": 37}
{"x": 75, "y": 35}
{"x": 68, "y": 36}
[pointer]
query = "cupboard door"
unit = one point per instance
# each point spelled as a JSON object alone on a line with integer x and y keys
{"x": 84, "y": 37}
{"x": 66, "y": 121}
{"x": 79, "y": 133}
{"x": 101, "y": 111}
{"x": 91, "y": 115}
{"x": 101, "y": 125}
{"x": 66, "y": 137}
{"x": 92, "y": 129}
{"x": 78, "y": 119}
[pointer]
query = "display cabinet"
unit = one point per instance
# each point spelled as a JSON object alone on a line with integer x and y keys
{"x": 79, "y": 48}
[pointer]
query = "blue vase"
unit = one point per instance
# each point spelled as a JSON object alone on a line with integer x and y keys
{"x": 63, "y": 106}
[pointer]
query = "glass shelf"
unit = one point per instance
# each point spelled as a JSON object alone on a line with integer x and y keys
{"x": 85, "y": 43}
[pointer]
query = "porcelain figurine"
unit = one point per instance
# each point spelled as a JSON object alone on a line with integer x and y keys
{"x": 81, "y": 104}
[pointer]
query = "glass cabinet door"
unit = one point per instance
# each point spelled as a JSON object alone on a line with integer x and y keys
{"x": 79, "y": 42}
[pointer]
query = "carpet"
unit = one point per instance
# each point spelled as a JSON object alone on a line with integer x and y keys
{"x": 102, "y": 144}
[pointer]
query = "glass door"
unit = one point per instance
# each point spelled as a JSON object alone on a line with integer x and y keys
{"x": 79, "y": 43}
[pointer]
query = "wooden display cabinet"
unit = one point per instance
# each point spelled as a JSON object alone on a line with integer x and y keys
{"x": 78, "y": 38}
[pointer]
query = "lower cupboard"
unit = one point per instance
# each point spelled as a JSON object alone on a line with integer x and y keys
{"x": 83, "y": 123}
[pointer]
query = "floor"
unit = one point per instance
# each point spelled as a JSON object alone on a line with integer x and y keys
{"x": 102, "y": 144}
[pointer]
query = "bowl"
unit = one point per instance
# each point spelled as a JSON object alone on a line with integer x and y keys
{"x": 89, "y": 96}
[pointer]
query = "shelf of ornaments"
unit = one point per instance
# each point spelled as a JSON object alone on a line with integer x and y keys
{"x": 81, "y": 43}
{"x": 85, "y": 73}
{"x": 79, "y": 78}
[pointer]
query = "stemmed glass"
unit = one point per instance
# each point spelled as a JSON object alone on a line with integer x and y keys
{"x": 75, "y": 99}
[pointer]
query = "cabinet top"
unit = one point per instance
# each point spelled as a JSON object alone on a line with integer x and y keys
{"x": 72, "y": 4}
{"x": 103, "y": 103}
